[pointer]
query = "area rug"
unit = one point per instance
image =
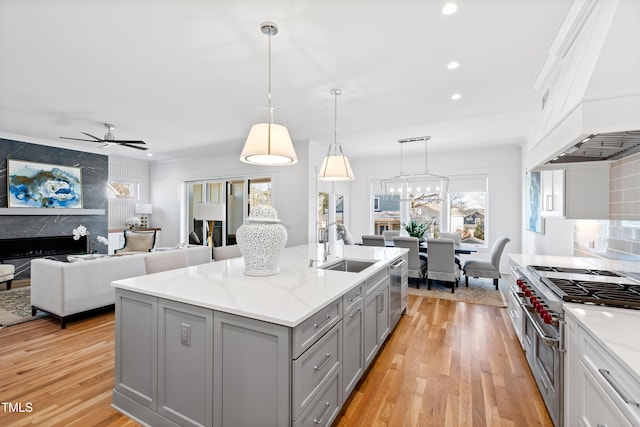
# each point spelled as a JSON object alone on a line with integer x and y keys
{"x": 15, "y": 307}
{"x": 478, "y": 292}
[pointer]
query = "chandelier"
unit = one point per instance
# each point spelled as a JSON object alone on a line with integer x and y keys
{"x": 423, "y": 186}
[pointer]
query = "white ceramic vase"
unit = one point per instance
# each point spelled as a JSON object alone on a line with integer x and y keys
{"x": 261, "y": 240}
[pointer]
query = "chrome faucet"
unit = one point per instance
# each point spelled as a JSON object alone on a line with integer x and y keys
{"x": 327, "y": 251}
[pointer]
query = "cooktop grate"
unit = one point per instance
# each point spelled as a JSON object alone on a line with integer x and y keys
{"x": 574, "y": 270}
{"x": 600, "y": 293}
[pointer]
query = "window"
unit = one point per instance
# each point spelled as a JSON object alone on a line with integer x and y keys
{"x": 463, "y": 211}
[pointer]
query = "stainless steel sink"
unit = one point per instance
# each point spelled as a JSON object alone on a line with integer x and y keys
{"x": 348, "y": 265}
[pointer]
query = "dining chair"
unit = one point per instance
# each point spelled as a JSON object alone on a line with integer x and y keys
{"x": 347, "y": 237}
{"x": 482, "y": 268}
{"x": 390, "y": 234}
{"x": 163, "y": 261}
{"x": 226, "y": 252}
{"x": 442, "y": 265}
{"x": 456, "y": 240}
{"x": 417, "y": 260}
{"x": 372, "y": 240}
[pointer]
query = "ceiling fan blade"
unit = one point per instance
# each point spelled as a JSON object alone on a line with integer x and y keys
{"x": 125, "y": 141}
{"x": 133, "y": 146}
{"x": 78, "y": 139}
{"x": 94, "y": 137}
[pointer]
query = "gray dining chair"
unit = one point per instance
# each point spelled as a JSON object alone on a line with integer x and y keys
{"x": 456, "y": 240}
{"x": 417, "y": 260}
{"x": 372, "y": 240}
{"x": 390, "y": 234}
{"x": 442, "y": 265}
{"x": 482, "y": 268}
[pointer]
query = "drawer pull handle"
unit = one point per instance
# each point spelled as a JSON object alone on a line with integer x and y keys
{"x": 355, "y": 297}
{"x": 613, "y": 383}
{"x": 317, "y": 325}
{"x": 355, "y": 313}
{"x": 326, "y": 411}
{"x": 327, "y": 357}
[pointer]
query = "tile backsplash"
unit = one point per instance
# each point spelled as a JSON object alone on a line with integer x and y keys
{"x": 624, "y": 189}
{"x": 612, "y": 239}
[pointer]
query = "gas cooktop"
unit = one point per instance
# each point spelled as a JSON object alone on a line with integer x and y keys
{"x": 574, "y": 270}
{"x": 596, "y": 292}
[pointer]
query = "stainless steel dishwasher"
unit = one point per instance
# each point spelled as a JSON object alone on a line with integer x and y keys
{"x": 399, "y": 282}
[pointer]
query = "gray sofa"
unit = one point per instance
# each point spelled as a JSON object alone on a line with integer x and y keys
{"x": 65, "y": 289}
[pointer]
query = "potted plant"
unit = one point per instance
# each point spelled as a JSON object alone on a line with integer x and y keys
{"x": 415, "y": 229}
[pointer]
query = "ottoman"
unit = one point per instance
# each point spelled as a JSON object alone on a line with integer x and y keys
{"x": 6, "y": 274}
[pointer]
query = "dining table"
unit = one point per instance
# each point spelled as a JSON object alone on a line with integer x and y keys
{"x": 460, "y": 248}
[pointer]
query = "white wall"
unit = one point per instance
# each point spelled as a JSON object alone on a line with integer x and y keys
{"x": 502, "y": 164}
{"x": 290, "y": 186}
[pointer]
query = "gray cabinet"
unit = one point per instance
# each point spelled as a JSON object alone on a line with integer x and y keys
{"x": 376, "y": 320}
{"x": 164, "y": 364}
{"x": 314, "y": 368}
{"x": 136, "y": 349}
{"x": 185, "y": 363}
{"x": 252, "y": 365}
{"x": 353, "y": 341}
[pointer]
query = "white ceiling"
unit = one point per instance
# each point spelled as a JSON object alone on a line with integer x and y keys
{"x": 183, "y": 74}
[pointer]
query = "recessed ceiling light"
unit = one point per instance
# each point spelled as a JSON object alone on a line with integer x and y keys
{"x": 456, "y": 96}
{"x": 149, "y": 155}
{"x": 453, "y": 65}
{"x": 449, "y": 8}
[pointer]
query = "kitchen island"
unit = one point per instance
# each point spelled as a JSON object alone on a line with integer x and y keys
{"x": 208, "y": 345}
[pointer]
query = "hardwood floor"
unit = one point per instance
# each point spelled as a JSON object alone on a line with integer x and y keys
{"x": 447, "y": 364}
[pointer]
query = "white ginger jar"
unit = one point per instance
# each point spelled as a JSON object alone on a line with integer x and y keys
{"x": 261, "y": 240}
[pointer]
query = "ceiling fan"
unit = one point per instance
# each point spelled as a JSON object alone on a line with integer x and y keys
{"x": 110, "y": 139}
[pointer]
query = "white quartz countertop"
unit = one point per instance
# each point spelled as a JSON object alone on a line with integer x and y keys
{"x": 287, "y": 298}
{"x": 614, "y": 329}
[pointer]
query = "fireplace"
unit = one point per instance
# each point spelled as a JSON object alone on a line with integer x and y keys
{"x": 37, "y": 247}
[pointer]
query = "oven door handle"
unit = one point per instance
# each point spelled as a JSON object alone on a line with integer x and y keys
{"x": 546, "y": 339}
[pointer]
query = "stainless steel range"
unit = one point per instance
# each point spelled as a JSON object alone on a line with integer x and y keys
{"x": 540, "y": 292}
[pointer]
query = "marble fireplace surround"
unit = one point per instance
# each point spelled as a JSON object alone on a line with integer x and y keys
{"x": 43, "y": 222}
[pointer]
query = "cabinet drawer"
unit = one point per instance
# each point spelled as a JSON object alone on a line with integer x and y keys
{"x": 308, "y": 332}
{"x": 352, "y": 298}
{"x": 314, "y": 366}
{"x": 612, "y": 376}
{"x": 372, "y": 282}
{"x": 595, "y": 407}
{"x": 324, "y": 408}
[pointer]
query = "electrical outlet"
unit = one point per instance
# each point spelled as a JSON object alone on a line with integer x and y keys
{"x": 185, "y": 334}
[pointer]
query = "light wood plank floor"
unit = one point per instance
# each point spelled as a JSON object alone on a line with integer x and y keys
{"x": 447, "y": 364}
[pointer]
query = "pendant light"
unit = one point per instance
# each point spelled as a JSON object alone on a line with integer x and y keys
{"x": 335, "y": 166}
{"x": 269, "y": 143}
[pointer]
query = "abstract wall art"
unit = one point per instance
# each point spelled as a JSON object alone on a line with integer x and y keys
{"x": 534, "y": 219}
{"x": 42, "y": 185}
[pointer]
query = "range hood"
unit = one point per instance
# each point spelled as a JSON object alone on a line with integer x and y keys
{"x": 591, "y": 86}
{"x": 599, "y": 147}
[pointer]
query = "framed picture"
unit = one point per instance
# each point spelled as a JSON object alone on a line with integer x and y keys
{"x": 534, "y": 219}
{"x": 41, "y": 185}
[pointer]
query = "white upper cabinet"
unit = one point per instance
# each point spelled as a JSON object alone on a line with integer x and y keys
{"x": 581, "y": 191}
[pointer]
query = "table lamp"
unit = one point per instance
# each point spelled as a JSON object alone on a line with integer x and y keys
{"x": 143, "y": 209}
